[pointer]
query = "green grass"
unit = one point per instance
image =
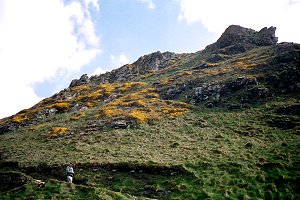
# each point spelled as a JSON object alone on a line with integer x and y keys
{"x": 225, "y": 154}
{"x": 54, "y": 189}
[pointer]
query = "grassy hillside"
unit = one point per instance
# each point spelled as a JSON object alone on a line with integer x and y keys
{"x": 197, "y": 128}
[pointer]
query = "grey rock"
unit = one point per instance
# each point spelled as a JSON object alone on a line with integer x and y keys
{"x": 121, "y": 124}
{"x": 255, "y": 94}
{"x": 240, "y": 83}
{"x": 155, "y": 61}
{"x": 237, "y": 39}
{"x": 214, "y": 58}
{"x": 52, "y": 111}
{"x": 83, "y": 80}
{"x": 207, "y": 91}
{"x": 83, "y": 109}
{"x": 202, "y": 66}
{"x": 145, "y": 64}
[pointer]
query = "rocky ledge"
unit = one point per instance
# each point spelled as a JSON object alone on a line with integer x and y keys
{"x": 237, "y": 39}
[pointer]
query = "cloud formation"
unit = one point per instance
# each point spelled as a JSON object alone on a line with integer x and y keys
{"x": 217, "y": 15}
{"x": 40, "y": 40}
{"x": 149, "y": 3}
{"x": 118, "y": 61}
{"x": 98, "y": 71}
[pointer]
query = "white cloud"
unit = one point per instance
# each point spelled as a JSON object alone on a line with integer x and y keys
{"x": 118, "y": 61}
{"x": 98, "y": 71}
{"x": 16, "y": 97}
{"x": 94, "y": 2}
{"x": 217, "y": 15}
{"x": 40, "y": 40}
{"x": 149, "y": 3}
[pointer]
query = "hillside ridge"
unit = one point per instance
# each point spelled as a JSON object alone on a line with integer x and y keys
{"x": 235, "y": 39}
{"x": 223, "y": 122}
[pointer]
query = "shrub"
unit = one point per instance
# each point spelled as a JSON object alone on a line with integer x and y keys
{"x": 108, "y": 88}
{"x": 216, "y": 71}
{"x": 80, "y": 88}
{"x": 143, "y": 106}
{"x": 139, "y": 103}
{"x": 19, "y": 118}
{"x": 186, "y": 73}
{"x": 109, "y": 111}
{"x": 129, "y": 85}
{"x": 152, "y": 95}
{"x": 46, "y": 101}
{"x": 179, "y": 104}
{"x": 90, "y": 104}
{"x": 95, "y": 95}
{"x": 60, "y": 106}
{"x": 57, "y": 131}
{"x": 37, "y": 127}
{"x": 77, "y": 115}
{"x": 138, "y": 116}
{"x": 174, "y": 112}
{"x": 79, "y": 98}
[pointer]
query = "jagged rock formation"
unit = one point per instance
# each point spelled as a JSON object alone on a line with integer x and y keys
{"x": 154, "y": 61}
{"x": 144, "y": 65}
{"x": 83, "y": 80}
{"x": 256, "y": 68}
{"x": 237, "y": 39}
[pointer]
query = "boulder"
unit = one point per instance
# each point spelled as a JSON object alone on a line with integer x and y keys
{"x": 154, "y": 61}
{"x": 121, "y": 124}
{"x": 241, "y": 83}
{"x": 207, "y": 91}
{"x": 202, "y": 66}
{"x": 52, "y": 111}
{"x": 255, "y": 94}
{"x": 83, "y": 80}
{"x": 9, "y": 126}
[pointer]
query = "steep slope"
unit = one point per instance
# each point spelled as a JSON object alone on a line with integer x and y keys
{"x": 223, "y": 121}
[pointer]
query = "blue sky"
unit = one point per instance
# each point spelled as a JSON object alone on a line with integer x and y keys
{"x": 44, "y": 44}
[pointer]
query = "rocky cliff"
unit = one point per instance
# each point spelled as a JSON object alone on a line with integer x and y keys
{"x": 219, "y": 123}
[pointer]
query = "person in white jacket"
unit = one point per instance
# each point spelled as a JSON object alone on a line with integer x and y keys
{"x": 70, "y": 173}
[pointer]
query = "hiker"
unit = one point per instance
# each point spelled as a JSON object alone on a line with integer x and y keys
{"x": 70, "y": 173}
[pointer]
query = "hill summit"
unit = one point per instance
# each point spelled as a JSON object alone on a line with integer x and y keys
{"x": 219, "y": 123}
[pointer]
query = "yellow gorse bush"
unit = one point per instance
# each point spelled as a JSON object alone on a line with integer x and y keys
{"x": 57, "y": 131}
{"x": 142, "y": 106}
{"x": 60, "y": 106}
{"x": 95, "y": 95}
{"x": 138, "y": 116}
{"x": 131, "y": 85}
{"x": 19, "y": 118}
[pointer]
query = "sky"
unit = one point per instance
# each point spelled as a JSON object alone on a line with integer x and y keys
{"x": 44, "y": 44}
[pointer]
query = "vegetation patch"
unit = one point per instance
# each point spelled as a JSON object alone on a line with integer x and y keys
{"x": 37, "y": 127}
{"x": 143, "y": 106}
{"x": 57, "y": 132}
{"x": 61, "y": 106}
{"x": 19, "y": 118}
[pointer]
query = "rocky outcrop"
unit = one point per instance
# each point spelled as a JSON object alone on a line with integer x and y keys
{"x": 143, "y": 65}
{"x": 154, "y": 61}
{"x": 121, "y": 124}
{"x": 246, "y": 90}
{"x": 285, "y": 76}
{"x": 237, "y": 39}
{"x": 83, "y": 80}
